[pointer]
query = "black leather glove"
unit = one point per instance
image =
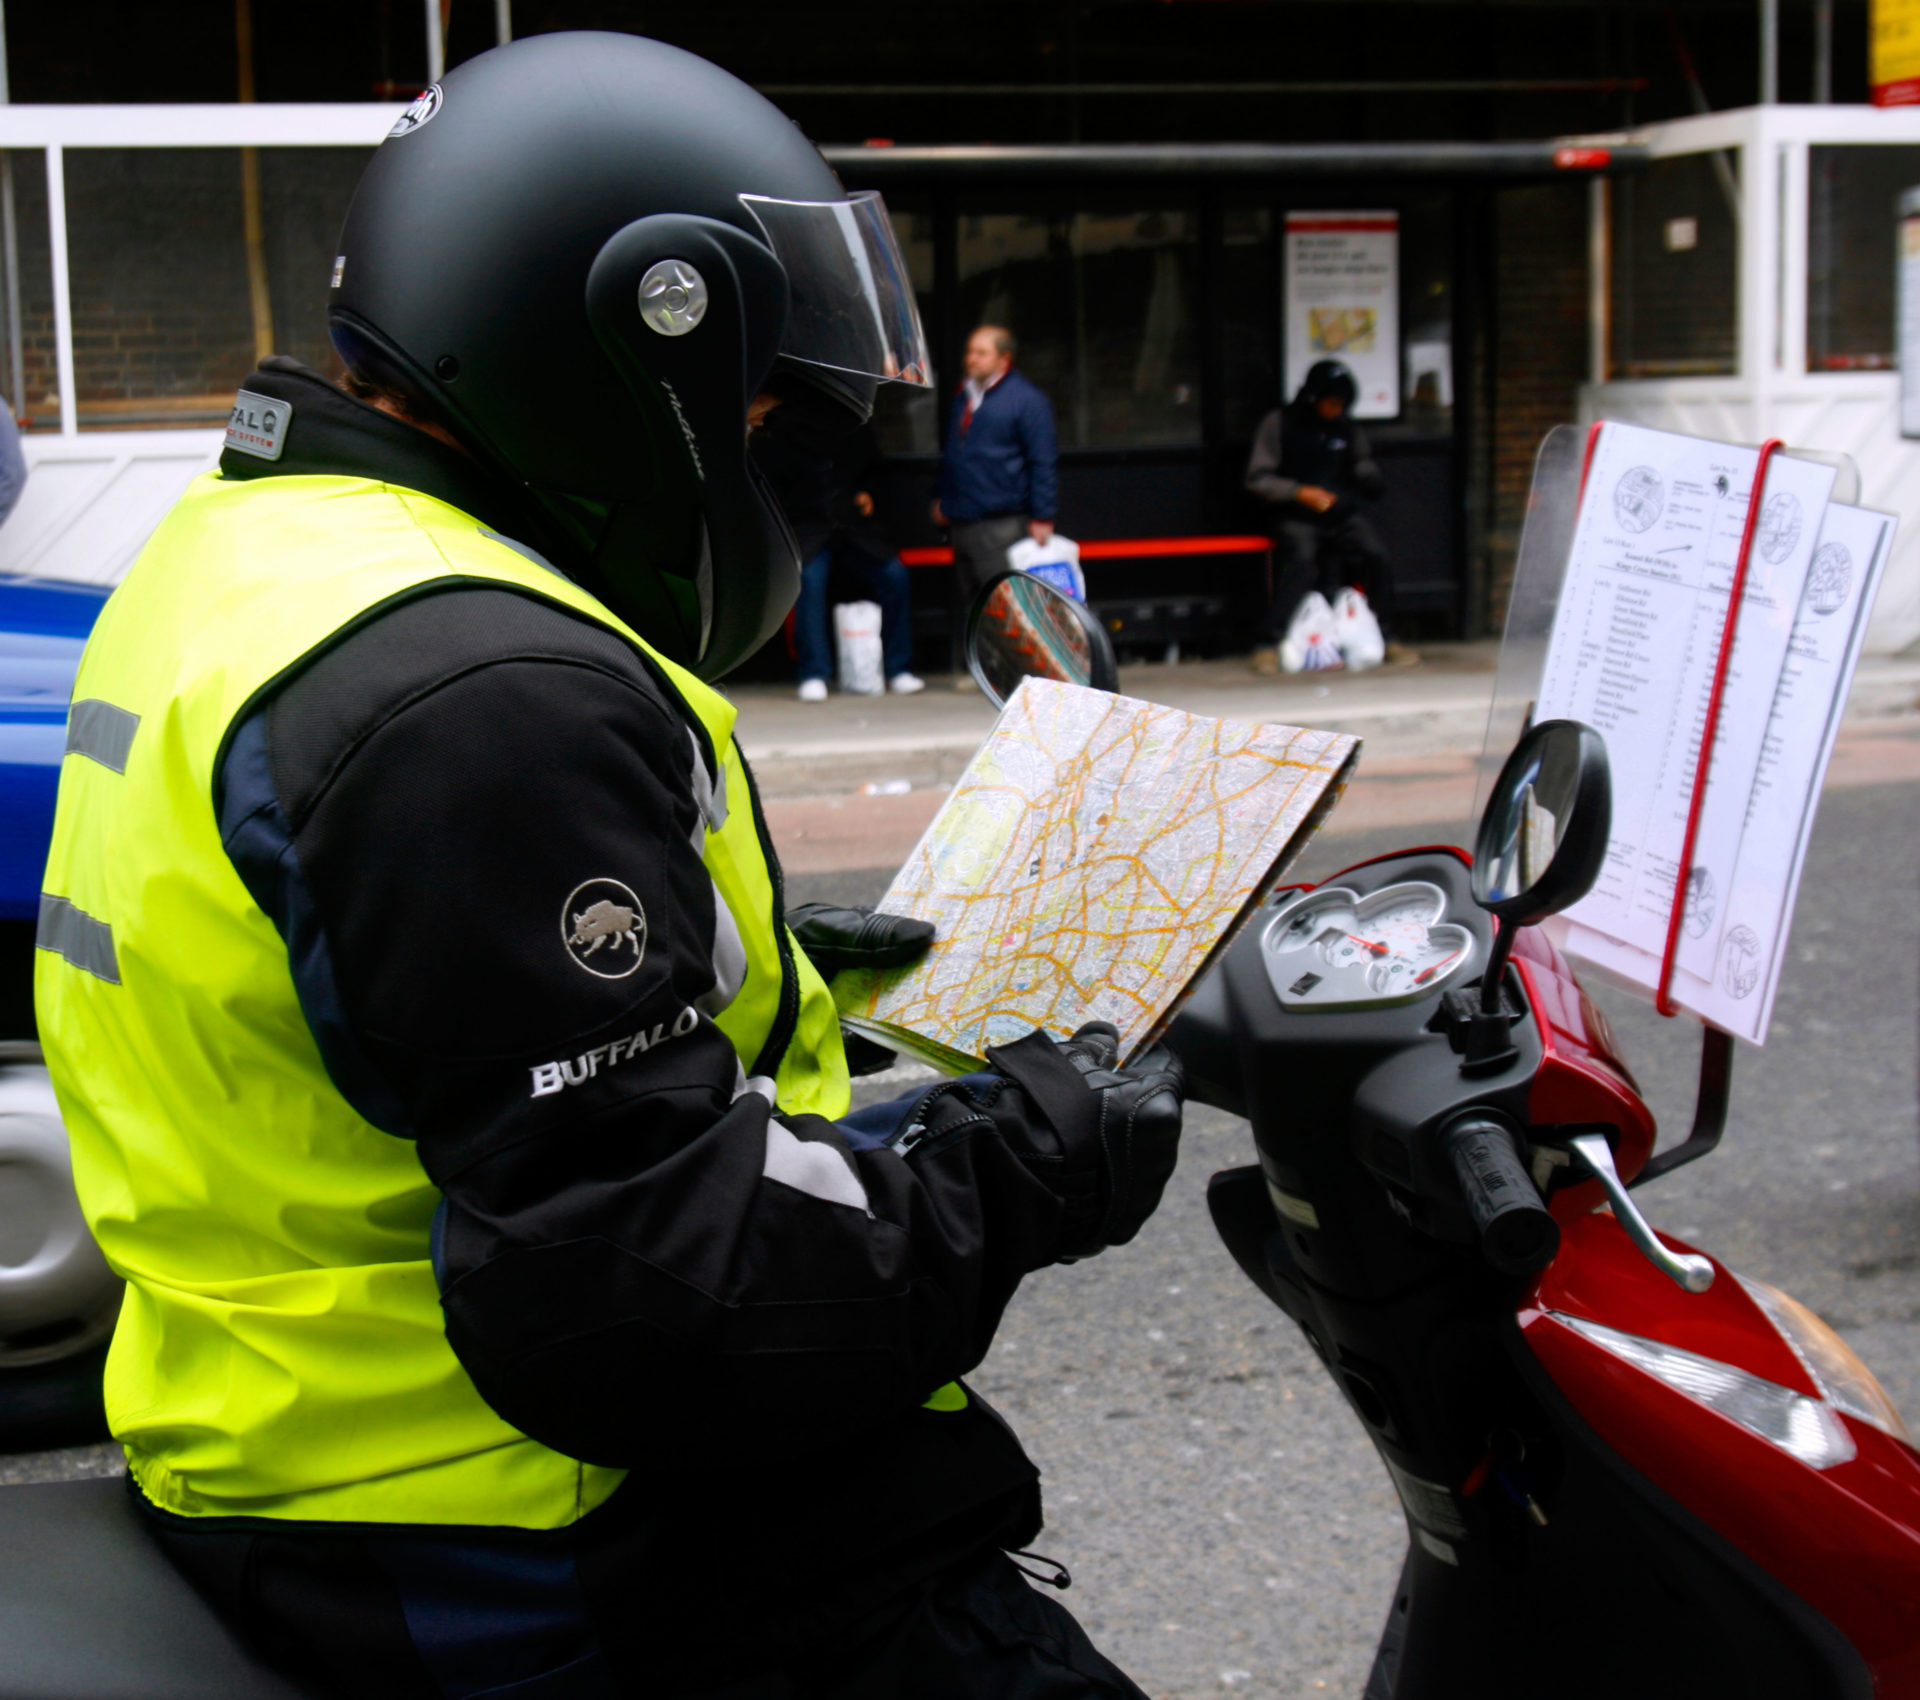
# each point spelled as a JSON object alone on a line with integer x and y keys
{"x": 1118, "y": 1129}
{"x": 836, "y": 938}
{"x": 864, "y": 1056}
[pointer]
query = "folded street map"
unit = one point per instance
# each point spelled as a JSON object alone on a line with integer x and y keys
{"x": 1095, "y": 856}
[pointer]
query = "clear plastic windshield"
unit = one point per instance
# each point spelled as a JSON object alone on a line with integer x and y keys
{"x": 1539, "y": 570}
{"x": 853, "y": 308}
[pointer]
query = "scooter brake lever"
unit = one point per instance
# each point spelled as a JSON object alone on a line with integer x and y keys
{"x": 1694, "y": 1274}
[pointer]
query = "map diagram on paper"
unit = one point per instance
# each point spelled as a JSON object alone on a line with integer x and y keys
{"x": 1095, "y": 855}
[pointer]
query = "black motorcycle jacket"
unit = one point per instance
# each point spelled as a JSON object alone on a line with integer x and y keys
{"x": 1295, "y": 446}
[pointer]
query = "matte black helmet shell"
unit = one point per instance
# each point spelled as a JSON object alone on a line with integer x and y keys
{"x": 1327, "y": 378}
{"x": 492, "y": 263}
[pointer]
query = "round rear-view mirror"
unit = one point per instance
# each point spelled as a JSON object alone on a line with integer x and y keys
{"x": 1543, "y": 837}
{"x": 1020, "y": 627}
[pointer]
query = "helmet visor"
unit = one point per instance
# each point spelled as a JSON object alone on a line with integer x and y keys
{"x": 852, "y": 298}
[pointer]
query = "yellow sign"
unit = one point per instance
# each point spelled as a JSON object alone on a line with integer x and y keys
{"x": 1893, "y": 52}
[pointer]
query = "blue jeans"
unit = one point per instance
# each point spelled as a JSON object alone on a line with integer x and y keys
{"x": 885, "y": 583}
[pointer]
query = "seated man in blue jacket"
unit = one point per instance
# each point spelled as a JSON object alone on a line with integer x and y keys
{"x": 999, "y": 480}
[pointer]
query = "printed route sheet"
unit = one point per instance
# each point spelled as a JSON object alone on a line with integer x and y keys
{"x": 1092, "y": 860}
{"x": 1635, "y": 640}
{"x": 1735, "y": 989}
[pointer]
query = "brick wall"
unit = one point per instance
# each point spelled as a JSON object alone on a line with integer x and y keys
{"x": 1673, "y": 306}
{"x": 157, "y": 259}
{"x": 1539, "y": 352}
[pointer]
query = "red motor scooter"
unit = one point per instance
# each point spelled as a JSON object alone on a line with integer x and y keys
{"x": 1625, "y": 1469}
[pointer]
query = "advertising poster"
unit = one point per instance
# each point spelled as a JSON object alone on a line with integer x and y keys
{"x": 1343, "y": 302}
{"x": 1907, "y": 311}
{"x": 1893, "y": 52}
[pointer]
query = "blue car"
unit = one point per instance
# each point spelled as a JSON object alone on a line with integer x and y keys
{"x": 57, "y": 1306}
{"x": 43, "y": 628}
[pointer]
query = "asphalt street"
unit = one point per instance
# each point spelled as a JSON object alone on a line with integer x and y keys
{"x": 1229, "y": 1528}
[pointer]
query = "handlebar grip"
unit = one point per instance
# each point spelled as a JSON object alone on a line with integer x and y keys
{"x": 1517, "y": 1231}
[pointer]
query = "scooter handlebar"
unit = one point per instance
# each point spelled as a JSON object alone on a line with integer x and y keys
{"x": 1517, "y": 1232}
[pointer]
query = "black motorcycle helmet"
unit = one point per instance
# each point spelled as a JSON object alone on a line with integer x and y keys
{"x": 1327, "y": 378}
{"x": 585, "y": 254}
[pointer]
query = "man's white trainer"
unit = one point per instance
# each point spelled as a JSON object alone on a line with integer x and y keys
{"x": 813, "y": 690}
{"x": 905, "y": 684}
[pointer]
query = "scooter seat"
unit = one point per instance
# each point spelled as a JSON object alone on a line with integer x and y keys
{"x": 91, "y": 1609}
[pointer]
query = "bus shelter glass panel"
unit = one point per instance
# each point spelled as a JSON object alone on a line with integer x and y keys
{"x": 1250, "y": 309}
{"x": 1426, "y": 315}
{"x": 29, "y": 374}
{"x": 906, "y": 418}
{"x": 1851, "y": 196}
{"x": 1103, "y": 300}
{"x": 188, "y": 264}
{"x": 1673, "y": 291}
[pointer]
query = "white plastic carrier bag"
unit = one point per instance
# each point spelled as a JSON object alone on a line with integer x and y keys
{"x": 1356, "y": 629}
{"x": 1056, "y": 561}
{"x": 1310, "y": 645}
{"x": 856, "y": 631}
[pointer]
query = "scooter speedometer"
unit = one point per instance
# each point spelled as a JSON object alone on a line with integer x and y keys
{"x": 1336, "y": 950}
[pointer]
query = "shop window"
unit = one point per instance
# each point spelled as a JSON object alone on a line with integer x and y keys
{"x": 1103, "y": 301}
{"x": 1675, "y": 267}
{"x": 1851, "y": 193}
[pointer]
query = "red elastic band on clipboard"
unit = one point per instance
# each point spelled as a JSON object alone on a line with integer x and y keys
{"x": 1586, "y": 460}
{"x": 1663, "y": 1000}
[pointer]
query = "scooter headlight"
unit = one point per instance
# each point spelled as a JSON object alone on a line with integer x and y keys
{"x": 1832, "y": 1365}
{"x": 1806, "y": 1428}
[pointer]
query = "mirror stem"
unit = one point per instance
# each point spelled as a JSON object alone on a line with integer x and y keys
{"x": 1504, "y": 934}
{"x": 1489, "y": 1045}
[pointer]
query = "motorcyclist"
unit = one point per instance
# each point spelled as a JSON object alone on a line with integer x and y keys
{"x": 513, "y": 1304}
{"x": 1313, "y": 466}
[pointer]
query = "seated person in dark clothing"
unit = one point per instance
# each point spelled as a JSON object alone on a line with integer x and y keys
{"x": 1313, "y": 464}
{"x": 825, "y": 488}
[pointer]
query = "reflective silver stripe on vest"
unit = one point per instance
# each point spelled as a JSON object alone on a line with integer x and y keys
{"x": 101, "y": 732}
{"x": 521, "y": 549}
{"x": 75, "y": 935}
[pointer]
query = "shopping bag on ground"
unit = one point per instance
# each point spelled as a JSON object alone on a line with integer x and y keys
{"x": 1357, "y": 631}
{"x": 1056, "y": 561}
{"x": 1310, "y": 645}
{"x": 856, "y": 631}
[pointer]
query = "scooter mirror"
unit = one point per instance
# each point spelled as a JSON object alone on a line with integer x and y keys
{"x": 1020, "y": 627}
{"x": 1544, "y": 834}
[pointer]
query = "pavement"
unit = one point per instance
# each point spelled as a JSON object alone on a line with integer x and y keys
{"x": 852, "y": 782}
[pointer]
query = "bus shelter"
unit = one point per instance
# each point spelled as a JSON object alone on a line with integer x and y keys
{"x": 157, "y": 251}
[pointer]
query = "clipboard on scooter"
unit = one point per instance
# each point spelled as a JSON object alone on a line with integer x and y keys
{"x": 1710, "y": 637}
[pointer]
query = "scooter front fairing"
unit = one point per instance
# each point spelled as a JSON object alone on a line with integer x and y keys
{"x": 1576, "y": 1527}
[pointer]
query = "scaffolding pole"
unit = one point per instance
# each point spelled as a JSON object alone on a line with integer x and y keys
{"x": 259, "y": 295}
{"x": 10, "y": 248}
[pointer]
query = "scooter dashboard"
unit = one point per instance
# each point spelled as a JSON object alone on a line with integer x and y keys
{"x": 1337, "y": 949}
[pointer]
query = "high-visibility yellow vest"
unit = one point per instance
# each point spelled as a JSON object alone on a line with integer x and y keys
{"x": 281, "y": 1352}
